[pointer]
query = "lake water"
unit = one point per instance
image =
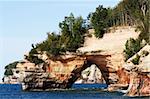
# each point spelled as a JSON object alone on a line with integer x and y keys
{"x": 8, "y": 91}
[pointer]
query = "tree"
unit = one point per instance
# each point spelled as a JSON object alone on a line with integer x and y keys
{"x": 9, "y": 67}
{"x": 8, "y": 72}
{"x": 99, "y": 21}
{"x": 132, "y": 46}
{"x": 73, "y": 31}
{"x": 70, "y": 39}
{"x": 140, "y": 13}
{"x": 52, "y": 44}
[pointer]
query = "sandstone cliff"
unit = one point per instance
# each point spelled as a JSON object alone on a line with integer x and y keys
{"x": 102, "y": 57}
{"x": 135, "y": 78}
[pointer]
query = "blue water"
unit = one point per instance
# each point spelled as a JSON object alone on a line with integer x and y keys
{"x": 89, "y": 86}
{"x": 14, "y": 92}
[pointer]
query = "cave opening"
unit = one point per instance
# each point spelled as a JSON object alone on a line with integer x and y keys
{"x": 89, "y": 77}
{"x": 83, "y": 75}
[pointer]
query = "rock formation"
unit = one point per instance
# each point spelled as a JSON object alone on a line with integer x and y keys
{"x": 135, "y": 79}
{"x": 91, "y": 74}
{"x": 64, "y": 72}
{"x": 99, "y": 61}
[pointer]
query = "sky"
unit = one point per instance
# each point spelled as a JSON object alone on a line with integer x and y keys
{"x": 26, "y": 22}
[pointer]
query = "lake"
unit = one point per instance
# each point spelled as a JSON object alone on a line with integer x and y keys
{"x": 79, "y": 91}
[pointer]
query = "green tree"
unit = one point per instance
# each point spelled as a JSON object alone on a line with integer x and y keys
{"x": 132, "y": 46}
{"x": 9, "y": 67}
{"x": 70, "y": 39}
{"x": 139, "y": 11}
{"x": 136, "y": 60}
{"x": 8, "y": 72}
{"x": 52, "y": 45}
{"x": 73, "y": 31}
{"x": 99, "y": 21}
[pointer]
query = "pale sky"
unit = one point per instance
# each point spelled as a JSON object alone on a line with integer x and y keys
{"x": 26, "y": 22}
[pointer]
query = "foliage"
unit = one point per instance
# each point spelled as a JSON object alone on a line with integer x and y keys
{"x": 132, "y": 46}
{"x": 70, "y": 39}
{"x": 11, "y": 65}
{"x": 139, "y": 11}
{"x": 135, "y": 61}
{"x": 73, "y": 31}
{"x": 8, "y": 72}
{"x": 99, "y": 21}
{"x": 52, "y": 45}
{"x": 127, "y": 12}
{"x": 33, "y": 58}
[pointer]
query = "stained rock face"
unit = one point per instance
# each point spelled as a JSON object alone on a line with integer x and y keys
{"x": 62, "y": 73}
{"x": 140, "y": 85}
{"x": 136, "y": 78}
{"x": 100, "y": 61}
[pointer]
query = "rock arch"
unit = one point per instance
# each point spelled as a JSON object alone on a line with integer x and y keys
{"x": 99, "y": 60}
{"x": 63, "y": 72}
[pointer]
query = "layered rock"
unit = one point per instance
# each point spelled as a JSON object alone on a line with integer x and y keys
{"x": 135, "y": 79}
{"x": 62, "y": 73}
{"x": 103, "y": 58}
{"x": 139, "y": 74}
{"x": 19, "y": 72}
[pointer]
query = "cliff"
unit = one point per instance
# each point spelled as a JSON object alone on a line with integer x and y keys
{"x": 98, "y": 61}
{"x": 135, "y": 78}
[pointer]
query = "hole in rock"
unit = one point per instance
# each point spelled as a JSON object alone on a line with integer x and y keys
{"x": 91, "y": 77}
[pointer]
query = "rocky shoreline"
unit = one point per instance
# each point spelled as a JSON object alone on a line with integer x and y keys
{"x": 105, "y": 66}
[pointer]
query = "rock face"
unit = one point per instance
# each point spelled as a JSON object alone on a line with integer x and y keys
{"x": 64, "y": 72}
{"x": 136, "y": 78}
{"x": 140, "y": 84}
{"x": 139, "y": 74}
{"x": 19, "y": 72}
{"x": 99, "y": 61}
{"x": 91, "y": 75}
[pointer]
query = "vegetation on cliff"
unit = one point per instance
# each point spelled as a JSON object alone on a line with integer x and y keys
{"x": 9, "y": 67}
{"x": 70, "y": 38}
{"x": 127, "y": 12}
{"x": 132, "y": 46}
{"x": 138, "y": 11}
{"x": 99, "y": 20}
{"x": 72, "y": 33}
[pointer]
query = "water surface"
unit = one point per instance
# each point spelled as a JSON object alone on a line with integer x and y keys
{"x": 8, "y": 91}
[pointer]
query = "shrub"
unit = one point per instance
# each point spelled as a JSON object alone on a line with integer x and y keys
{"x": 135, "y": 61}
{"x": 145, "y": 53}
{"x": 99, "y": 21}
{"x": 34, "y": 59}
{"x": 8, "y": 72}
{"x": 11, "y": 65}
{"x": 132, "y": 46}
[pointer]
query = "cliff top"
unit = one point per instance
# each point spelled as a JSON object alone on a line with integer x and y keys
{"x": 113, "y": 42}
